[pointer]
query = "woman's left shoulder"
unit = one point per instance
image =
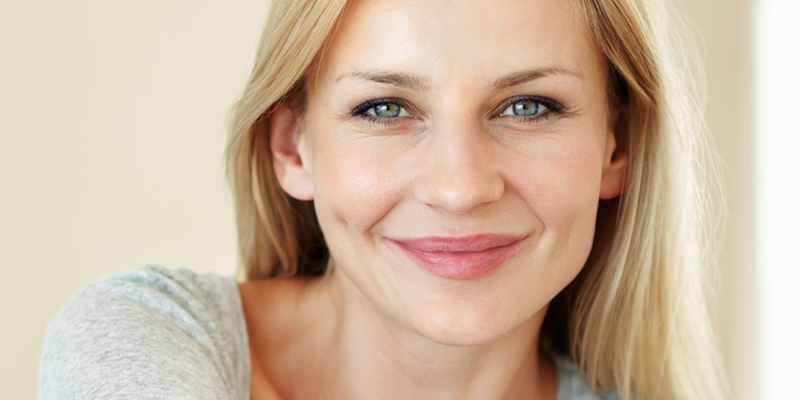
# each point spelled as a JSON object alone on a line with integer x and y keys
{"x": 571, "y": 385}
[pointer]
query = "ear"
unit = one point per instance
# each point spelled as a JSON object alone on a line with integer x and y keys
{"x": 615, "y": 159}
{"x": 289, "y": 153}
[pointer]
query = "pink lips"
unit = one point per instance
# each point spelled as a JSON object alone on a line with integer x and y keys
{"x": 467, "y": 257}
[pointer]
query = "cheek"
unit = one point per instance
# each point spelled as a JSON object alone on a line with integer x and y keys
{"x": 354, "y": 186}
{"x": 560, "y": 182}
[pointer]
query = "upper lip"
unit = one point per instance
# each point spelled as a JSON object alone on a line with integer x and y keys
{"x": 460, "y": 244}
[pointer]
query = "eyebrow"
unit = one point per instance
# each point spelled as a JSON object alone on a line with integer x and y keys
{"x": 518, "y": 78}
{"x": 419, "y": 84}
{"x": 406, "y": 81}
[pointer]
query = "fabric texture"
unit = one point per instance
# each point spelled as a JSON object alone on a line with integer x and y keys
{"x": 571, "y": 385}
{"x": 154, "y": 333}
{"x": 149, "y": 334}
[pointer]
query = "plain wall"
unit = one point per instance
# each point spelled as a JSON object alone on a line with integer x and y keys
{"x": 112, "y": 128}
{"x": 724, "y": 32}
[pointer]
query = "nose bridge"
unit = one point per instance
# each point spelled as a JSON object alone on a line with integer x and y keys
{"x": 459, "y": 172}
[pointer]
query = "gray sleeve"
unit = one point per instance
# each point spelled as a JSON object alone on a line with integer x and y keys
{"x": 571, "y": 385}
{"x": 149, "y": 334}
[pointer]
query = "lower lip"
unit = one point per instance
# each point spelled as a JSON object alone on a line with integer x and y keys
{"x": 460, "y": 265}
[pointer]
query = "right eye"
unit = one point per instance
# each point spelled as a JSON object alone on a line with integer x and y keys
{"x": 381, "y": 109}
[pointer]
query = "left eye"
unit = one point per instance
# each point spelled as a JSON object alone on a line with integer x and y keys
{"x": 525, "y": 108}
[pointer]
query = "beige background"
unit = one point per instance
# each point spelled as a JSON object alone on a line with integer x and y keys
{"x": 111, "y": 135}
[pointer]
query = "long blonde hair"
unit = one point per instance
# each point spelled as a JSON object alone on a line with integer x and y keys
{"x": 635, "y": 319}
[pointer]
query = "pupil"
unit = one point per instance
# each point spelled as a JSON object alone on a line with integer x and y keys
{"x": 387, "y": 110}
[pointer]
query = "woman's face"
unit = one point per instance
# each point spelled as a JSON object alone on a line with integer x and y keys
{"x": 455, "y": 152}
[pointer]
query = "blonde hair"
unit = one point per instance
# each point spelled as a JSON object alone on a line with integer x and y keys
{"x": 635, "y": 319}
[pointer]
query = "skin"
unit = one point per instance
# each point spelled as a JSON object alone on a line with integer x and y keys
{"x": 453, "y": 163}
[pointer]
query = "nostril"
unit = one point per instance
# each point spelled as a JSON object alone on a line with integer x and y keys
{"x": 458, "y": 192}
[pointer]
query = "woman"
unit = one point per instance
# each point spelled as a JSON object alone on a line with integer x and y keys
{"x": 505, "y": 206}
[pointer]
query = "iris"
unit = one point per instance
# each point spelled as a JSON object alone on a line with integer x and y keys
{"x": 387, "y": 110}
{"x": 527, "y": 107}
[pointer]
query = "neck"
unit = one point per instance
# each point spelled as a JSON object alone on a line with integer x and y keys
{"x": 370, "y": 356}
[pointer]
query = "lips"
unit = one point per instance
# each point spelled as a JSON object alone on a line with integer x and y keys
{"x": 462, "y": 258}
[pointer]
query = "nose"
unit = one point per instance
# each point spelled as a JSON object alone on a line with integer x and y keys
{"x": 459, "y": 171}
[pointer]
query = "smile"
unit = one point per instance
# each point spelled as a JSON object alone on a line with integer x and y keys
{"x": 460, "y": 258}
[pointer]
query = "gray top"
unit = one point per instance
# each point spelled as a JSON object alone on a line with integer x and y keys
{"x": 153, "y": 333}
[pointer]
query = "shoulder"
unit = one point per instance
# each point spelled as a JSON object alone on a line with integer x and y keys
{"x": 571, "y": 385}
{"x": 151, "y": 332}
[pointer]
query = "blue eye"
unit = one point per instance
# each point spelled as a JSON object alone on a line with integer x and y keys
{"x": 387, "y": 110}
{"x": 526, "y": 107}
{"x": 381, "y": 109}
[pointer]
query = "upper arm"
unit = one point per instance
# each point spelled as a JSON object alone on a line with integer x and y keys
{"x": 150, "y": 336}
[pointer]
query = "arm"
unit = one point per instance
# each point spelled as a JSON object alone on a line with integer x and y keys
{"x": 150, "y": 333}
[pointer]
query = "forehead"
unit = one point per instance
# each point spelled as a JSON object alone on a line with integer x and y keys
{"x": 477, "y": 39}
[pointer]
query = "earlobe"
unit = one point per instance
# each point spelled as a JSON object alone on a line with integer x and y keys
{"x": 287, "y": 144}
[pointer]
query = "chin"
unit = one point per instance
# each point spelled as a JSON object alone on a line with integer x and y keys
{"x": 466, "y": 324}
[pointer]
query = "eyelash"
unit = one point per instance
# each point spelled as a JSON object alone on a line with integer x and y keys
{"x": 552, "y": 107}
{"x": 362, "y": 110}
